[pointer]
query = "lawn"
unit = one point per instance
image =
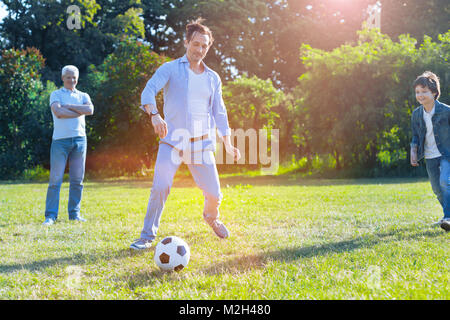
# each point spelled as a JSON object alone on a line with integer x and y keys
{"x": 290, "y": 239}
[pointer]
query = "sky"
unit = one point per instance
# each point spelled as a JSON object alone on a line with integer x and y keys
{"x": 3, "y": 12}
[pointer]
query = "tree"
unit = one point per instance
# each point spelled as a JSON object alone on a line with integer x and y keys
{"x": 121, "y": 137}
{"x": 25, "y": 124}
{"x": 257, "y": 37}
{"x": 254, "y": 104}
{"x": 358, "y": 98}
{"x": 251, "y": 102}
{"x": 43, "y": 25}
{"x": 414, "y": 17}
{"x": 262, "y": 37}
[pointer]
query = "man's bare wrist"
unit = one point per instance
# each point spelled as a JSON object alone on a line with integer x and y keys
{"x": 149, "y": 108}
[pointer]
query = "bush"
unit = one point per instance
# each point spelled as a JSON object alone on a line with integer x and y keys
{"x": 120, "y": 136}
{"x": 25, "y": 124}
{"x": 356, "y": 100}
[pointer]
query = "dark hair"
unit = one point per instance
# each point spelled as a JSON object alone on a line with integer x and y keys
{"x": 429, "y": 80}
{"x": 197, "y": 26}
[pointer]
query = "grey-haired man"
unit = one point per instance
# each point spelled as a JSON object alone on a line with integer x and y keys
{"x": 69, "y": 107}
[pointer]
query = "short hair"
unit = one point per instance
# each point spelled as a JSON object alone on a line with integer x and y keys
{"x": 431, "y": 81}
{"x": 70, "y": 68}
{"x": 197, "y": 26}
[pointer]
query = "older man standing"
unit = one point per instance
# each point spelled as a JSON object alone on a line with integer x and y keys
{"x": 193, "y": 109}
{"x": 69, "y": 107}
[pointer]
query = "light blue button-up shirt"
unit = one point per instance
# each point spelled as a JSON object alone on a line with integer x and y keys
{"x": 173, "y": 76}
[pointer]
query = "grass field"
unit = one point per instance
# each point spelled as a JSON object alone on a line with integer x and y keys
{"x": 291, "y": 239}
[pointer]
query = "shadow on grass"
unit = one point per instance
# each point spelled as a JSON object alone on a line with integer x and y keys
{"x": 75, "y": 260}
{"x": 260, "y": 261}
{"x": 256, "y": 261}
{"x": 232, "y": 266}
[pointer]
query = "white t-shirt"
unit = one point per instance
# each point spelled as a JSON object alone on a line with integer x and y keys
{"x": 199, "y": 95}
{"x": 73, "y": 127}
{"x": 431, "y": 150}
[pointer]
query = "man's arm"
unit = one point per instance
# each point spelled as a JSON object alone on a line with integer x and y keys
{"x": 158, "y": 123}
{"x": 63, "y": 113}
{"x": 149, "y": 108}
{"x": 86, "y": 109}
{"x": 148, "y": 100}
{"x": 219, "y": 113}
{"x": 230, "y": 149}
{"x": 155, "y": 84}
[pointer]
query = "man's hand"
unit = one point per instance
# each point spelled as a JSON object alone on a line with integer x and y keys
{"x": 230, "y": 149}
{"x": 233, "y": 151}
{"x": 159, "y": 125}
{"x": 414, "y": 161}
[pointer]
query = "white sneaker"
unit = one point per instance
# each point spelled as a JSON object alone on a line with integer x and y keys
{"x": 141, "y": 244}
{"x": 48, "y": 222}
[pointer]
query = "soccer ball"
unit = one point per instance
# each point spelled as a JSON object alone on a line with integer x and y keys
{"x": 172, "y": 253}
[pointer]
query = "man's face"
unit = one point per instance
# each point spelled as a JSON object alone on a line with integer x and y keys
{"x": 70, "y": 80}
{"x": 197, "y": 48}
{"x": 424, "y": 95}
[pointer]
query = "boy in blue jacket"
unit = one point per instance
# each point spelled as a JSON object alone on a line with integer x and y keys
{"x": 430, "y": 124}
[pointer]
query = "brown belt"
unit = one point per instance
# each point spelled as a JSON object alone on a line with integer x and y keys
{"x": 199, "y": 138}
{"x": 191, "y": 140}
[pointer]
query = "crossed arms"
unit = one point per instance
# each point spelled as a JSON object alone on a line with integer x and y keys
{"x": 67, "y": 111}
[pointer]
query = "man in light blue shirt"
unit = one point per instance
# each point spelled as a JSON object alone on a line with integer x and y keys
{"x": 193, "y": 110}
{"x": 69, "y": 107}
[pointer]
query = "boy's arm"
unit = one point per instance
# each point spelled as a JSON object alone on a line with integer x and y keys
{"x": 414, "y": 143}
{"x": 415, "y": 132}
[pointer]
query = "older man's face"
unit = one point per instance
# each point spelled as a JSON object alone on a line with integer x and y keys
{"x": 70, "y": 80}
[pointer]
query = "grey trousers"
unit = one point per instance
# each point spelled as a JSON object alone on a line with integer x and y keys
{"x": 204, "y": 171}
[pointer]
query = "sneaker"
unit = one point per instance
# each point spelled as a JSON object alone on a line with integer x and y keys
{"x": 220, "y": 229}
{"x": 445, "y": 224}
{"x": 141, "y": 244}
{"x": 81, "y": 219}
{"x": 48, "y": 222}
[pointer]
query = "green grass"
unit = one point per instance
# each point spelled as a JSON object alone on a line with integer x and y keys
{"x": 311, "y": 239}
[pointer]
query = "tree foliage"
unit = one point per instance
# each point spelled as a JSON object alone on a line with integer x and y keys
{"x": 358, "y": 98}
{"x": 25, "y": 122}
{"x": 352, "y": 103}
{"x": 43, "y": 24}
{"x": 257, "y": 37}
{"x": 252, "y": 102}
{"x": 262, "y": 37}
{"x": 120, "y": 133}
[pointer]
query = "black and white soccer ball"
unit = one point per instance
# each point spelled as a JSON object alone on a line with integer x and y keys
{"x": 172, "y": 253}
